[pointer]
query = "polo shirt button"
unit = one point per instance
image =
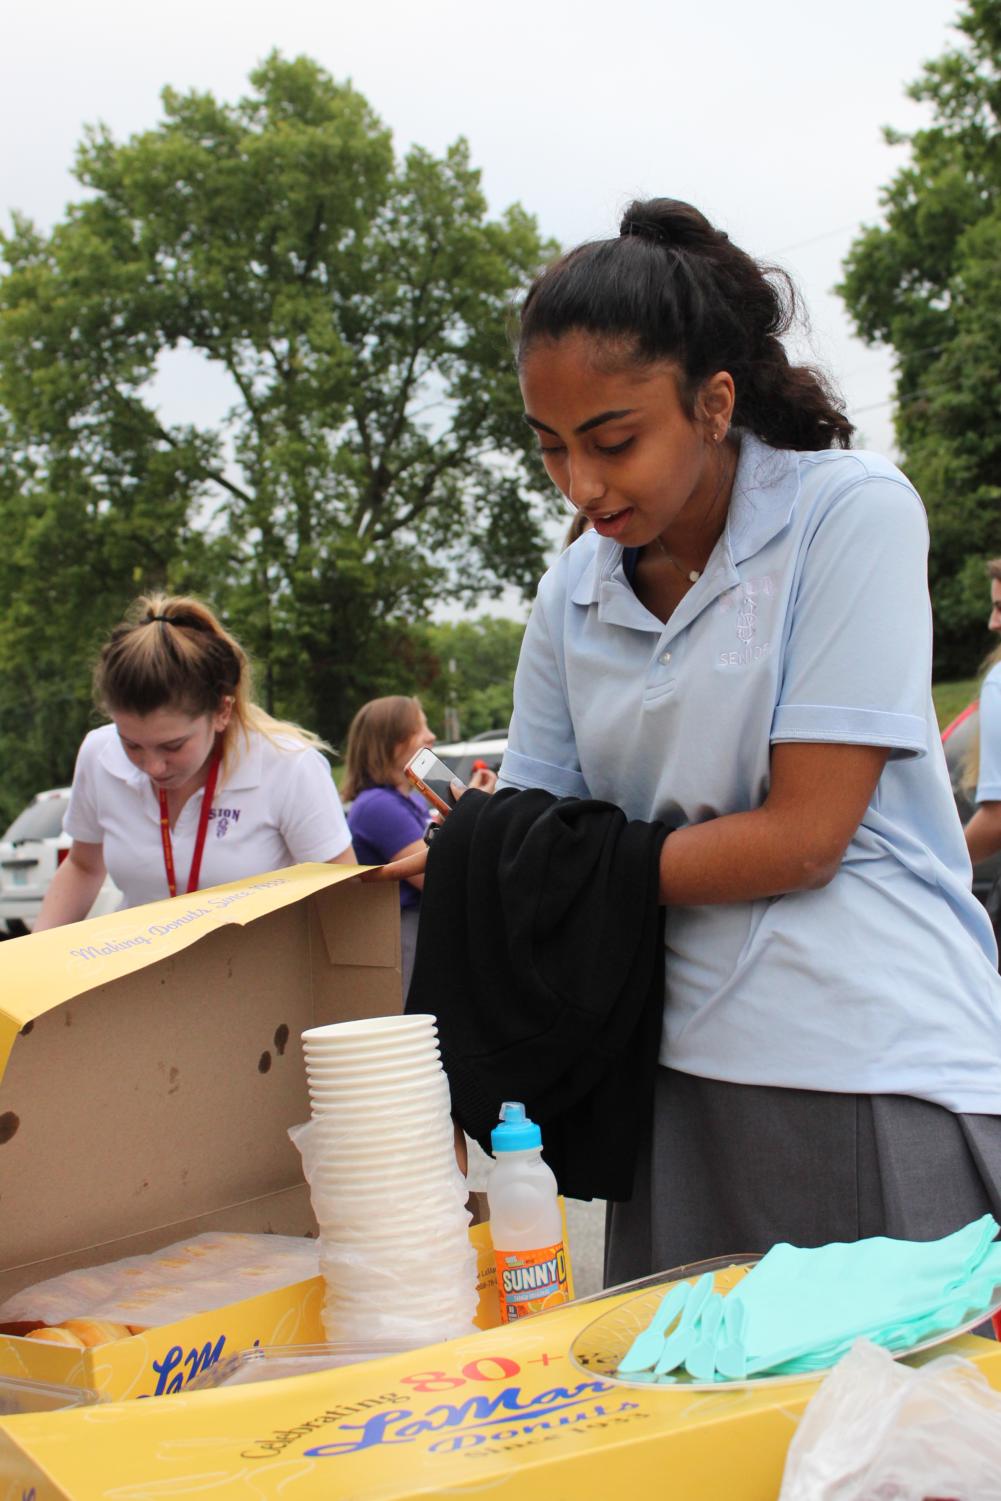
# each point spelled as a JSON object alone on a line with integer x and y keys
{"x": 665, "y": 657}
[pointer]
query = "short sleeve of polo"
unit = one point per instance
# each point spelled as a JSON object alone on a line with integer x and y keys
{"x": 542, "y": 749}
{"x": 312, "y": 821}
{"x": 383, "y": 823}
{"x": 989, "y": 777}
{"x": 82, "y": 821}
{"x": 857, "y": 657}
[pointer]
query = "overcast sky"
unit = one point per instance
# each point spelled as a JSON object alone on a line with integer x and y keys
{"x": 768, "y": 116}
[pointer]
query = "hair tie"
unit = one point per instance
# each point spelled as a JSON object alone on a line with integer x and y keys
{"x": 163, "y": 619}
{"x": 644, "y": 229}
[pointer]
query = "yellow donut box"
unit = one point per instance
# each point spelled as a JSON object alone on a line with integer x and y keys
{"x": 504, "y": 1414}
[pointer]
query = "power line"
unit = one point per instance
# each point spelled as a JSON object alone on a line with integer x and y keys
{"x": 828, "y": 234}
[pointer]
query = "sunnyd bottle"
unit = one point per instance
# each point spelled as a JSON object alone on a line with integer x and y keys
{"x": 525, "y": 1222}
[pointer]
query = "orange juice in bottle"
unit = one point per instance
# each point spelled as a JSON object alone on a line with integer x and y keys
{"x": 525, "y": 1222}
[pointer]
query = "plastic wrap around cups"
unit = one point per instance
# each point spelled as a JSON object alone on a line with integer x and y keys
{"x": 361, "y": 1268}
{"x": 386, "y": 1233}
{"x": 341, "y": 1219}
{"x": 364, "y": 1114}
{"x": 394, "y": 1229}
{"x": 338, "y": 1169}
{"x": 451, "y": 1318}
{"x": 335, "y": 1160}
{"x": 443, "y": 1229}
{"x": 339, "y": 1325}
{"x": 440, "y": 1183}
{"x": 431, "y": 1168}
{"x": 352, "y": 1286}
{"x": 322, "y": 1145}
{"x": 370, "y": 1139}
{"x": 406, "y": 1295}
{"x": 338, "y": 1212}
{"x": 431, "y": 1218}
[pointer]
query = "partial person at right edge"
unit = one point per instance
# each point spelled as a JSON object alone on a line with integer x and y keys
{"x": 983, "y": 832}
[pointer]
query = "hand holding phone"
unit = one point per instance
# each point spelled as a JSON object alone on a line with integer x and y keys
{"x": 433, "y": 778}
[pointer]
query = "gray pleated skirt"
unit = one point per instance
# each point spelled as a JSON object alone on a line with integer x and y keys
{"x": 731, "y": 1168}
{"x": 409, "y": 919}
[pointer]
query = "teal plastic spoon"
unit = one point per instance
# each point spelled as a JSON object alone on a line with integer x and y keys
{"x": 678, "y": 1344}
{"x": 700, "y": 1362}
{"x": 731, "y": 1356}
{"x": 645, "y": 1350}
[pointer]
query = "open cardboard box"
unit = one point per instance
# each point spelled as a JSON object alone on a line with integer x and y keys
{"x": 150, "y": 1067}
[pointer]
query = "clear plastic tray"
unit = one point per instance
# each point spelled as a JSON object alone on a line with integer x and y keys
{"x": 277, "y": 1362}
{"x": 18, "y": 1396}
{"x": 598, "y": 1348}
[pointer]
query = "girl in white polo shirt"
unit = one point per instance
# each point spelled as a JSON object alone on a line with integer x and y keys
{"x": 741, "y": 647}
{"x": 191, "y": 784}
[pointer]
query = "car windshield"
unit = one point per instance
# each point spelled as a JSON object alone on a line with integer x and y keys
{"x": 41, "y": 820}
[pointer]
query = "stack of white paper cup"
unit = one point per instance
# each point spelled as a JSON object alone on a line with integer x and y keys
{"x": 387, "y": 1192}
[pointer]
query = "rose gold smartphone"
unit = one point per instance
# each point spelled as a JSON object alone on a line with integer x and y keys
{"x": 433, "y": 778}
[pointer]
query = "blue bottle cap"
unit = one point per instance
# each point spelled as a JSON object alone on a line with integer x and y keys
{"x": 516, "y": 1133}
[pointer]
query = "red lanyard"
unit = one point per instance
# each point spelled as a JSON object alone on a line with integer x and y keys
{"x": 203, "y": 824}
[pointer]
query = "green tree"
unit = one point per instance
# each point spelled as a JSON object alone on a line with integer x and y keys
{"x": 928, "y": 284}
{"x": 373, "y": 459}
{"x": 479, "y": 686}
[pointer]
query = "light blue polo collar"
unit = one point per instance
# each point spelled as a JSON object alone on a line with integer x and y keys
{"x": 766, "y": 487}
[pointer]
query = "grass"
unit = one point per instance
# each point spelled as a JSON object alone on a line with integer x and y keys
{"x": 952, "y": 698}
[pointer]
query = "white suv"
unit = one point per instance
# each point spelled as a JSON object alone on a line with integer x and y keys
{"x": 31, "y": 851}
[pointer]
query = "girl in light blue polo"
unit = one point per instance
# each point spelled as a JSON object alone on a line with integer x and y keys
{"x": 741, "y": 646}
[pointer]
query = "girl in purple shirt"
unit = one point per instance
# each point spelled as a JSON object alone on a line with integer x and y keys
{"x": 387, "y": 818}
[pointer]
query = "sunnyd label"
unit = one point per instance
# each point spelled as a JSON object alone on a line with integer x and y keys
{"x": 529, "y": 1281}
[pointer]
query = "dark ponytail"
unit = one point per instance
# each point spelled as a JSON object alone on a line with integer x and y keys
{"x": 677, "y": 289}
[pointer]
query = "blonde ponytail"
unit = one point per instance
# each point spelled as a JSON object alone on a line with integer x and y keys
{"x": 172, "y": 651}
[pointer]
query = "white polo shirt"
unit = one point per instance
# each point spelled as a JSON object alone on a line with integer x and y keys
{"x": 811, "y": 622}
{"x": 989, "y": 776}
{"x": 277, "y": 806}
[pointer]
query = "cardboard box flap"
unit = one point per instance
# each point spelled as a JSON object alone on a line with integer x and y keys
{"x": 46, "y": 969}
{"x": 154, "y": 1081}
{"x": 349, "y": 932}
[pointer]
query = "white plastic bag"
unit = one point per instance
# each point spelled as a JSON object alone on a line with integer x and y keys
{"x": 878, "y": 1430}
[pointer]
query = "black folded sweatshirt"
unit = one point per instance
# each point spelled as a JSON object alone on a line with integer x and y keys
{"x": 540, "y": 951}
